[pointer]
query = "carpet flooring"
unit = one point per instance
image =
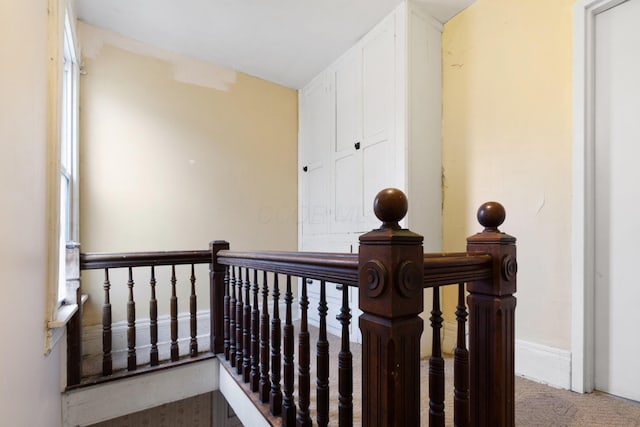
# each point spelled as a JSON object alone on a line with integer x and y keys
{"x": 537, "y": 405}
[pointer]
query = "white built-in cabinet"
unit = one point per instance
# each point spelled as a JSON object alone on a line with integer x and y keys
{"x": 370, "y": 121}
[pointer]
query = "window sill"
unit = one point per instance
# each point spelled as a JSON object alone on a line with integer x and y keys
{"x": 57, "y": 325}
{"x": 63, "y": 315}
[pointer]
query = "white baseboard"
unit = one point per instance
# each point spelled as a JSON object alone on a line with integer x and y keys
{"x": 92, "y": 341}
{"x": 536, "y": 362}
{"x": 543, "y": 364}
{"x": 90, "y": 405}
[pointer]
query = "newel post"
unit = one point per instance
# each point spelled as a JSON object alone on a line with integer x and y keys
{"x": 216, "y": 295}
{"x": 391, "y": 269}
{"x": 491, "y": 324}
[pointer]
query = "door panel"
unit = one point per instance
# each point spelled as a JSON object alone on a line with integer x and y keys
{"x": 378, "y": 154}
{"x": 348, "y": 84}
{"x": 348, "y": 194}
{"x": 617, "y": 216}
{"x": 347, "y": 159}
{"x": 378, "y": 67}
{"x": 316, "y": 133}
{"x": 377, "y": 174}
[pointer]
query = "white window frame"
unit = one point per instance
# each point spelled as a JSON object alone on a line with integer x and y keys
{"x": 68, "y": 232}
{"x": 64, "y": 114}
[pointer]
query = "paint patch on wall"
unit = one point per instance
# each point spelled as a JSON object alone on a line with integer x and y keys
{"x": 185, "y": 69}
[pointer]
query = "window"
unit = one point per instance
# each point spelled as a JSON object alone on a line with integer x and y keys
{"x": 68, "y": 155}
{"x": 62, "y": 301}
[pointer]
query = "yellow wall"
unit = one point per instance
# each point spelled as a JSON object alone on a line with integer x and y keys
{"x": 507, "y": 70}
{"x": 176, "y": 153}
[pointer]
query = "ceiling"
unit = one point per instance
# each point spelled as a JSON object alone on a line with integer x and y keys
{"x": 284, "y": 41}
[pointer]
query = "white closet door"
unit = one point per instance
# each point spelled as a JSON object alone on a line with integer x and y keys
{"x": 378, "y": 153}
{"x": 316, "y": 135}
{"x": 617, "y": 130}
{"x": 346, "y": 213}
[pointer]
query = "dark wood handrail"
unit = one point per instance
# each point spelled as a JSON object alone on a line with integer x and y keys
{"x": 452, "y": 268}
{"x": 98, "y": 260}
{"x": 439, "y": 268}
{"x": 332, "y": 267}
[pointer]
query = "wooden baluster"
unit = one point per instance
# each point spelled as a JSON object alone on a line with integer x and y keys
{"x": 131, "y": 325}
{"x": 255, "y": 336}
{"x": 345, "y": 365}
{"x": 276, "y": 394}
{"x": 288, "y": 404}
{"x": 153, "y": 319}
{"x": 491, "y": 324}
{"x": 461, "y": 366}
{"x": 303, "y": 362}
{"x": 218, "y": 300}
{"x": 174, "y": 317}
{"x": 390, "y": 281}
{"x": 246, "y": 329}
{"x": 232, "y": 319}
{"x": 436, "y": 366}
{"x": 265, "y": 383}
{"x": 193, "y": 345}
{"x": 107, "y": 362}
{"x": 226, "y": 313}
{"x": 322, "y": 360}
{"x": 239, "y": 306}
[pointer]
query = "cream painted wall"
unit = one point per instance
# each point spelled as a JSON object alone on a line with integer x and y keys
{"x": 176, "y": 153}
{"x": 30, "y": 386}
{"x": 507, "y": 137}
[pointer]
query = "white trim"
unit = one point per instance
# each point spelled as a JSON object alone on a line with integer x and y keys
{"x": 243, "y": 407}
{"x": 583, "y": 166}
{"x": 90, "y": 405}
{"x": 60, "y": 14}
{"x": 63, "y": 315}
{"x": 543, "y": 364}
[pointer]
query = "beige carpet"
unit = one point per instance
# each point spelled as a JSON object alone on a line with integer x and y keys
{"x": 540, "y": 405}
{"x": 536, "y": 404}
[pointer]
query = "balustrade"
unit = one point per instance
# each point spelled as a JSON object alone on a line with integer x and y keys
{"x": 136, "y": 266}
{"x": 391, "y": 273}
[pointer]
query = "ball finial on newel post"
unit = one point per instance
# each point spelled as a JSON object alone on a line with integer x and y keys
{"x": 390, "y": 206}
{"x": 491, "y": 215}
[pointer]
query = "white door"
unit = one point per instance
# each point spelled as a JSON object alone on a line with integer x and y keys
{"x": 316, "y": 134}
{"x": 378, "y": 150}
{"x": 346, "y": 155}
{"x": 617, "y": 200}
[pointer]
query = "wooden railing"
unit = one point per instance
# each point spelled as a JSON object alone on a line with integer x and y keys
{"x": 391, "y": 273}
{"x": 257, "y": 342}
{"x": 141, "y": 267}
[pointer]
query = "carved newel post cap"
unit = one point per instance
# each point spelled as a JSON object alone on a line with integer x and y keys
{"x": 491, "y": 215}
{"x": 390, "y": 206}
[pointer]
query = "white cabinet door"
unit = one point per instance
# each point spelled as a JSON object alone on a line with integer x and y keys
{"x": 346, "y": 154}
{"x": 363, "y": 156}
{"x": 378, "y": 150}
{"x": 316, "y": 135}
